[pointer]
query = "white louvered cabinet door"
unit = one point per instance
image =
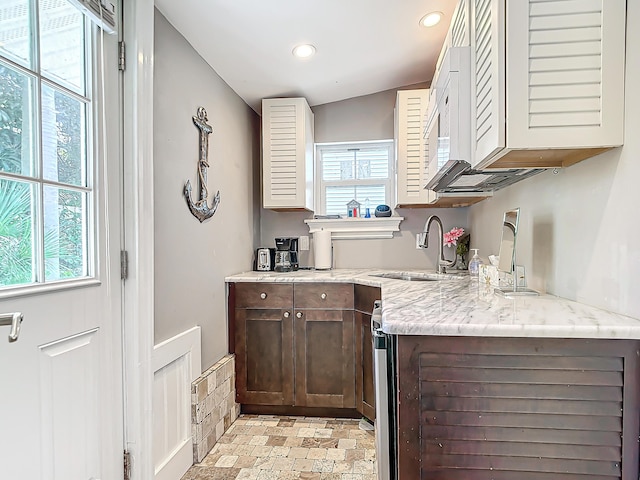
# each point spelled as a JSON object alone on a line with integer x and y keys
{"x": 431, "y": 153}
{"x": 410, "y": 147}
{"x": 488, "y": 74}
{"x": 287, "y": 154}
{"x": 459, "y": 33}
{"x": 459, "y": 30}
{"x": 565, "y": 81}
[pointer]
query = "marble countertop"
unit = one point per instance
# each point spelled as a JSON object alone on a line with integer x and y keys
{"x": 462, "y": 306}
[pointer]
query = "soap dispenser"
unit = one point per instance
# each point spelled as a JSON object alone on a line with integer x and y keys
{"x": 474, "y": 263}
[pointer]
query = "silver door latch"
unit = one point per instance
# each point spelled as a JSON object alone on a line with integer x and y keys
{"x": 14, "y": 320}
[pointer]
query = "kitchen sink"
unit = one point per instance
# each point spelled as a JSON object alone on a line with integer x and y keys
{"x": 418, "y": 277}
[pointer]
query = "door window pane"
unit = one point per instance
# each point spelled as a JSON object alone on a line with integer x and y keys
{"x": 45, "y": 143}
{"x": 62, "y": 43}
{"x": 65, "y": 233}
{"x": 16, "y": 117}
{"x": 63, "y": 137}
{"x": 16, "y": 233}
{"x": 15, "y": 35}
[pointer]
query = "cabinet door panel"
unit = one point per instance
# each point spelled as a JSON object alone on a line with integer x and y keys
{"x": 456, "y": 418}
{"x": 488, "y": 72}
{"x": 264, "y": 358}
{"x": 560, "y": 52}
{"x": 287, "y": 154}
{"x": 409, "y": 122}
{"x": 365, "y": 393}
{"x": 322, "y": 356}
{"x": 325, "y": 371}
{"x": 364, "y": 296}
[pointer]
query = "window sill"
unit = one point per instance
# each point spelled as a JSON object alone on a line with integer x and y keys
{"x": 356, "y": 228}
{"x": 49, "y": 287}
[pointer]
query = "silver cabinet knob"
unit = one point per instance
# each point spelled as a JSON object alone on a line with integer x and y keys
{"x": 323, "y": 296}
{"x": 299, "y": 315}
{"x": 263, "y": 295}
{"x": 286, "y": 314}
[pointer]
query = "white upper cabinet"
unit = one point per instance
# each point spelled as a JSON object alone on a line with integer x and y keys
{"x": 410, "y": 147}
{"x": 451, "y": 114}
{"x": 548, "y": 80}
{"x": 448, "y": 131}
{"x": 488, "y": 73}
{"x": 287, "y": 154}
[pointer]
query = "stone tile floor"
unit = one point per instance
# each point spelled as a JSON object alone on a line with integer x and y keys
{"x": 265, "y": 447}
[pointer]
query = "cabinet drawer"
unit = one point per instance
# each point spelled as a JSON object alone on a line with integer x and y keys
{"x": 323, "y": 295}
{"x": 264, "y": 295}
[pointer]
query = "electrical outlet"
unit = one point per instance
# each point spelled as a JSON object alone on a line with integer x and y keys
{"x": 303, "y": 243}
{"x": 418, "y": 246}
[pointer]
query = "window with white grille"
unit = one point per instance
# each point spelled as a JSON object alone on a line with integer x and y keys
{"x": 361, "y": 171}
{"x": 47, "y": 132}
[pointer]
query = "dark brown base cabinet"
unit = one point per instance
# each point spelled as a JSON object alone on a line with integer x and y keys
{"x": 365, "y": 393}
{"x": 263, "y": 337}
{"x": 296, "y": 346}
{"x": 517, "y": 409}
{"x": 324, "y": 367}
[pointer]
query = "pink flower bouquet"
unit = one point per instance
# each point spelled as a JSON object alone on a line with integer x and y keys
{"x": 451, "y": 237}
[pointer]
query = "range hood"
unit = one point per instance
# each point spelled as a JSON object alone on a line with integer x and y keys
{"x": 457, "y": 176}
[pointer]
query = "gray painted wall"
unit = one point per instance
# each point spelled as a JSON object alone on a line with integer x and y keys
{"x": 369, "y": 117}
{"x": 580, "y": 233}
{"x": 192, "y": 259}
{"x": 365, "y": 118}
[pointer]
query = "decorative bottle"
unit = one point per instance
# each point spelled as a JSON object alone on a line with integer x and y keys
{"x": 474, "y": 263}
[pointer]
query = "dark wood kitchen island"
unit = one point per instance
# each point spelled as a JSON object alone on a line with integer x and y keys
{"x": 474, "y": 408}
{"x": 529, "y": 388}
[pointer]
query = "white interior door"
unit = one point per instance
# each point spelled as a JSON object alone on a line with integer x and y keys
{"x": 61, "y": 402}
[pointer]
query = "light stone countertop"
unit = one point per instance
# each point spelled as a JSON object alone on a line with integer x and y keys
{"x": 462, "y": 306}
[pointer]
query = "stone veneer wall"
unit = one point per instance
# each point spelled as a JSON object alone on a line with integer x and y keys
{"x": 213, "y": 405}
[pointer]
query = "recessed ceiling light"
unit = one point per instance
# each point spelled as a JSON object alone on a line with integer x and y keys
{"x": 304, "y": 51}
{"x": 431, "y": 19}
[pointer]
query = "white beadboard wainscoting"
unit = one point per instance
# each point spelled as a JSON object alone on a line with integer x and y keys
{"x": 176, "y": 364}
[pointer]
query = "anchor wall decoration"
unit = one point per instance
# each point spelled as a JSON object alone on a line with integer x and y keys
{"x": 200, "y": 209}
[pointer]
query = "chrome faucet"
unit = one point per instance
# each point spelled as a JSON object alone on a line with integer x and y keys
{"x": 442, "y": 263}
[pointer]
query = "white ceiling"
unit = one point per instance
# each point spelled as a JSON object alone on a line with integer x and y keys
{"x": 363, "y": 46}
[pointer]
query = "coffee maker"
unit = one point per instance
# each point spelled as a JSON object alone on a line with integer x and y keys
{"x": 286, "y": 258}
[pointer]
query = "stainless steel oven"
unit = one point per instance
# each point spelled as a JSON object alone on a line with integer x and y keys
{"x": 384, "y": 348}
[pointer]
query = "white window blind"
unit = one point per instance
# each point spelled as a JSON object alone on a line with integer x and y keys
{"x": 358, "y": 171}
{"x": 100, "y": 12}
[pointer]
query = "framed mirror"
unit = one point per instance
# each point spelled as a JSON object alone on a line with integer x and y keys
{"x": 507, "y": 263}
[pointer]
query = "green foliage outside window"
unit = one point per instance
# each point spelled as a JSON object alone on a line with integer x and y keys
{"x": 64, "y": 246}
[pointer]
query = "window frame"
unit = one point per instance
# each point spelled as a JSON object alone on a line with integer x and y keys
{"x": 320, "y": 183}
{"x": 90, "y": 101}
